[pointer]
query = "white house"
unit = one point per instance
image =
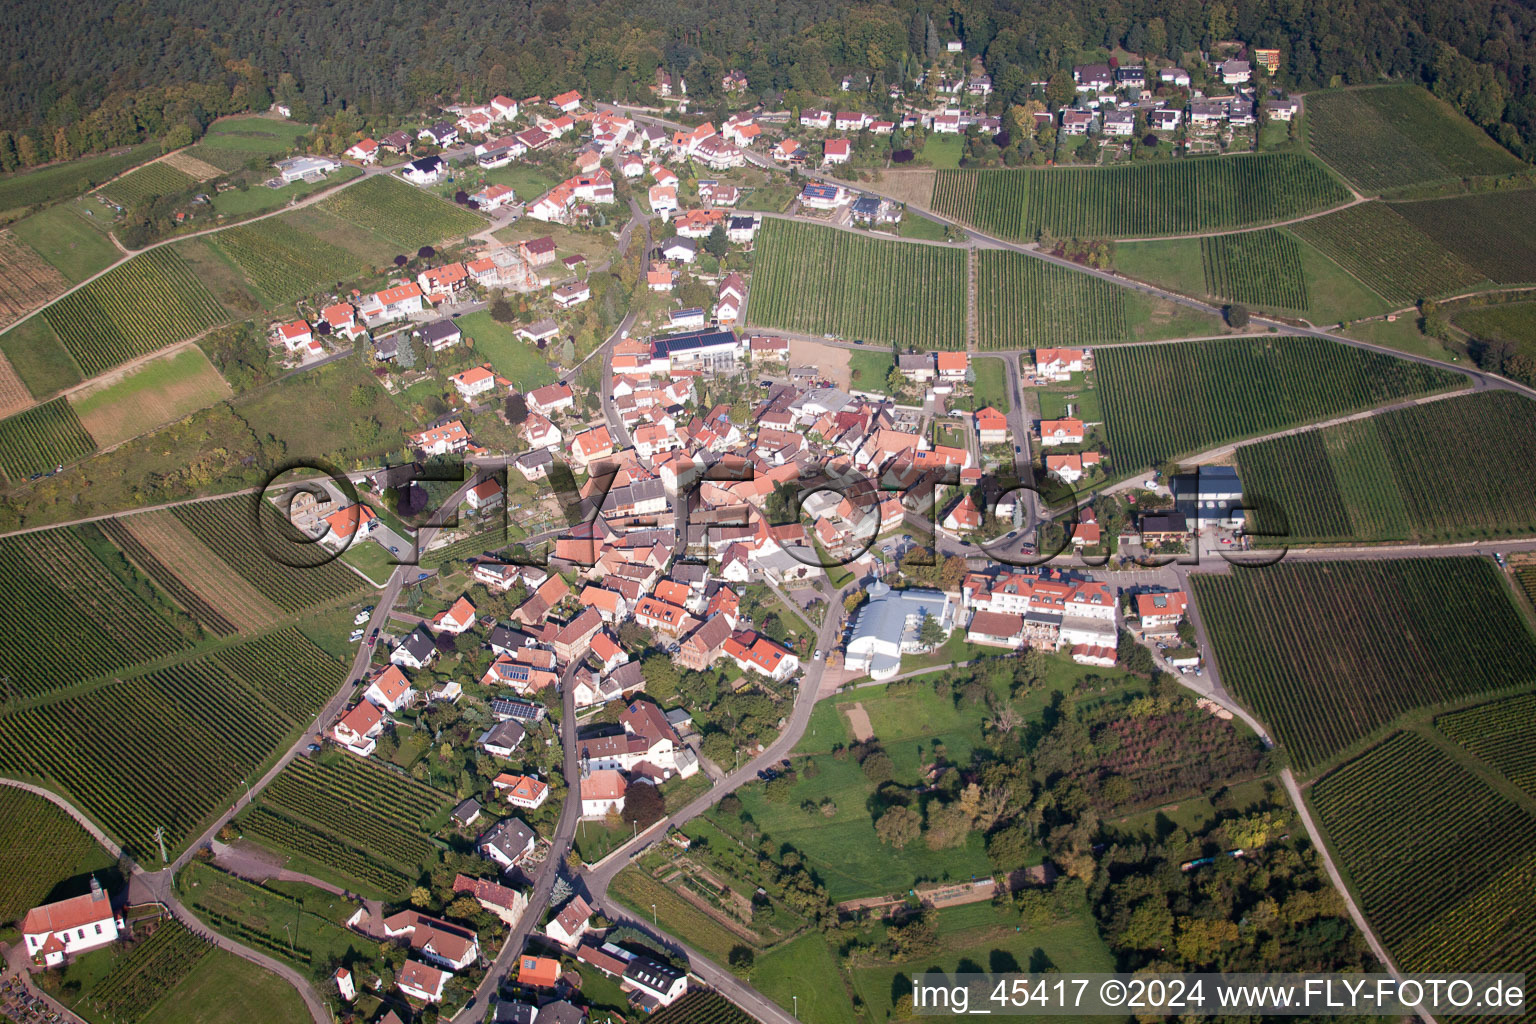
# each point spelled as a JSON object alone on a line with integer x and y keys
{"x": 366, "y": 151}
{"x": 476, "y": 380}
{"x": 54, "y": 931}
{"x": 358, "y": 729}
{"x": 415, "y": 651}
{"x": 1058, "y": 364}
{"x": 568, "y": 926}
{"x": 1056, "y": 432}
{"x": 429, "y": 170}
{"x": 1234, "y": 72}
{"x": 390, "y": 690}
{"x": 422, "y": 981}
{"x": 662, "y": 982}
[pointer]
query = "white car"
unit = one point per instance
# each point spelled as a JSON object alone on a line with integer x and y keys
{"x": 362, "y": 616}
{"x": 817, "y": 655}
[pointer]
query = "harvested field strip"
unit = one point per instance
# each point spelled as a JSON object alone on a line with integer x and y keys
{"x": 26, "y": 279}
{"x": 14, "y": 396}
{"x": 192, "y": 166}
{"x": 191, "y": 602}
{"x": 158, "y": 391}
{"x": 230, "y": 527}
{"x": 184, "y": 556}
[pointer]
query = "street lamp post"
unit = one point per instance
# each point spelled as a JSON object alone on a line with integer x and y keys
{"x": 797, "y": 1006}
{"x": 653, "y": 916}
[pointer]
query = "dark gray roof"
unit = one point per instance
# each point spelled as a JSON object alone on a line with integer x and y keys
{"x": 534, "y": 459}
{"x": 419, "y": 644}
{"x": 561, "y": 1012}
{"x": 467, "y": 810}
{"x": 687, "y": 342}
{"x": 504, "y": 639}
{"x": 515, "y": 1013}
{"x": 506, "y": 734}
{"x": 510, "y": 836}
{"x": 437, "y": 330}
{"x": 427, "y": 164}
{"x": 653, "y": 974}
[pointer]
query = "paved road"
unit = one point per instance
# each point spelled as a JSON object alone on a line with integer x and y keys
{"x": 544, "y": 878}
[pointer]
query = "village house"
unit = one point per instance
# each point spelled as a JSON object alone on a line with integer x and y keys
{"x": 1063, "y": 431}
{"x": 443, "y": 439}
{"x": 359, "y": 728}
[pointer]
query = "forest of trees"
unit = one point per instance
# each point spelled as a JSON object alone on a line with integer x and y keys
{"x": 83, "y": 76}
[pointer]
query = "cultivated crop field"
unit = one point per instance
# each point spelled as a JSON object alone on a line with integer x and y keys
{"x": 26, "y": 279}
{"x": 40, "y": 845}
{"x": 1399, "y": 816}
{"x": 701, "y": 1007}
{"x": 818, "y": 280}
{"x": 1162, "y": 198}
{"x": 401, "y": 213}
{"x": 1259, "y": 268}
{"x": 168, "y": 748}
{"x": 1023, "y": 302}
{"x": 1393, "y": 136}
{"x": 149, "y": 181}
{"x": 71, "y": 638}
{"x": 1328, "y": 652}
{"x": 149, "y": 971}
{"x": 168, "y": 551}
{"x": 145, "y": 304}
{"x": 1162, "y": 401}
{"x": 160, "y": 390}
{"x": 42, "y": 437}
{"x": 323, "y": 847}
{"x": 68, "y": 179}
{"x": 1386, "y": 478}
{"x": 283, "y": 262}
{"x": 358, "y": 805}
{"x": 1501, "y": 734}
{"x": 1388, "y": 253}
{"x": 228, "y": 527}
{"x": 287, "y": 672}
{"x": 1494, "y": 232}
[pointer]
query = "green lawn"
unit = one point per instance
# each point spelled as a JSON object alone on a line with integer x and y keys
{"x": 805, "y": 968}
{"x": 991, "y": 387}
{"x": 913, "y": 226}
{"x": 1513, "y": 323}
{"x": 943, "y": 151}
{"x": 225, "y": 988}
{"x": 768, "y": 198}
{"x": 870, "y": 368}
{"x": 72, "y": 237}
{"x": 1333, "y": 293}
{"x": 528, "y": 181}
{"x": 515, "y": 359}
{"x": 259, "y": 198}
{"x": 371, "y": 559}
{"x": 160, "y": 390}
{"x": 1172, "y": 263}
{"x": 1404, "y": 335}
{"x": 255, "y": 134}
{"x": 39, "y": 357}
{"x": 1084, "y": 402}
{"x": 595, "y": 840}
{"x": 979, "y": 938}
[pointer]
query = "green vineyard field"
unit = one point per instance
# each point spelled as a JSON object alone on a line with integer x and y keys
{"x": 149, "y": 181}
{"x": 1024, "y": 302}
{"x": 1388, "y": 253}
{"x": 42, "y": 437}
{"x": 358, "y": 803}
{"x": 40, "y": 845}
{"x": 1386, "y": 478}
{"x": 68, "y": 639}
{"x": 1501, "y": 734}
{"x": 168, "y": 748}
{"x": 401, "y": 213}
{"x": 146, "y": 304}
{"x": 818, "y": 280}
{"x": 1260, "y": 268}
{"x": 229, "y": 527}
{"x": 1326, "y": 653}
{"x": 1400, "y": 135}
{"x": 1494, "y": 232}
{"x": 283, "y": 833}
{"x": 1397, "y": 817}
{"x": 1162, "y": 401}
{"x": 67, "y": 179}
{"x": 1159, "y": 198}
{"x": 149, "y": 971}
{"x": 701, "y": 1007}
{"x": 283, "y": 262}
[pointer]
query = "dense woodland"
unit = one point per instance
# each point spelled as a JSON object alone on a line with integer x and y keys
{"x": 83, "y": 76}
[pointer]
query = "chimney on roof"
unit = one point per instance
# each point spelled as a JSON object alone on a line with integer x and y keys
{"x": 96, "y": 891}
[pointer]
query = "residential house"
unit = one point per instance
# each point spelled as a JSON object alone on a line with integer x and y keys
{"x": 390, "y": 690}
{"x": 1063, "y": 431}
{"x": 416, "y": 651}
{"x": 506, "y": 904}
{"x": 523, "y": 791}
{"x": 550, "y": 399}
{"x": 429, "y": 170}
{"x": 1058, "y": 364}
{"x": 507, "y": 842}
{"x": 443, "y": 439}
{"x": 836, "y": 151}
{"x": 475, "y": 381}
{"x": 1234, "y": 72}
{"x": 571, "y": 923}
{"x": 391, "y": 304}
{"x": 366, "y": 151}
{"x": 486, "y": 494}
{"x": 422, "y": 981}
{"x": 359, "y": 728}
{"x": 457, "y": 618}
{"x": 662, "y": 982}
